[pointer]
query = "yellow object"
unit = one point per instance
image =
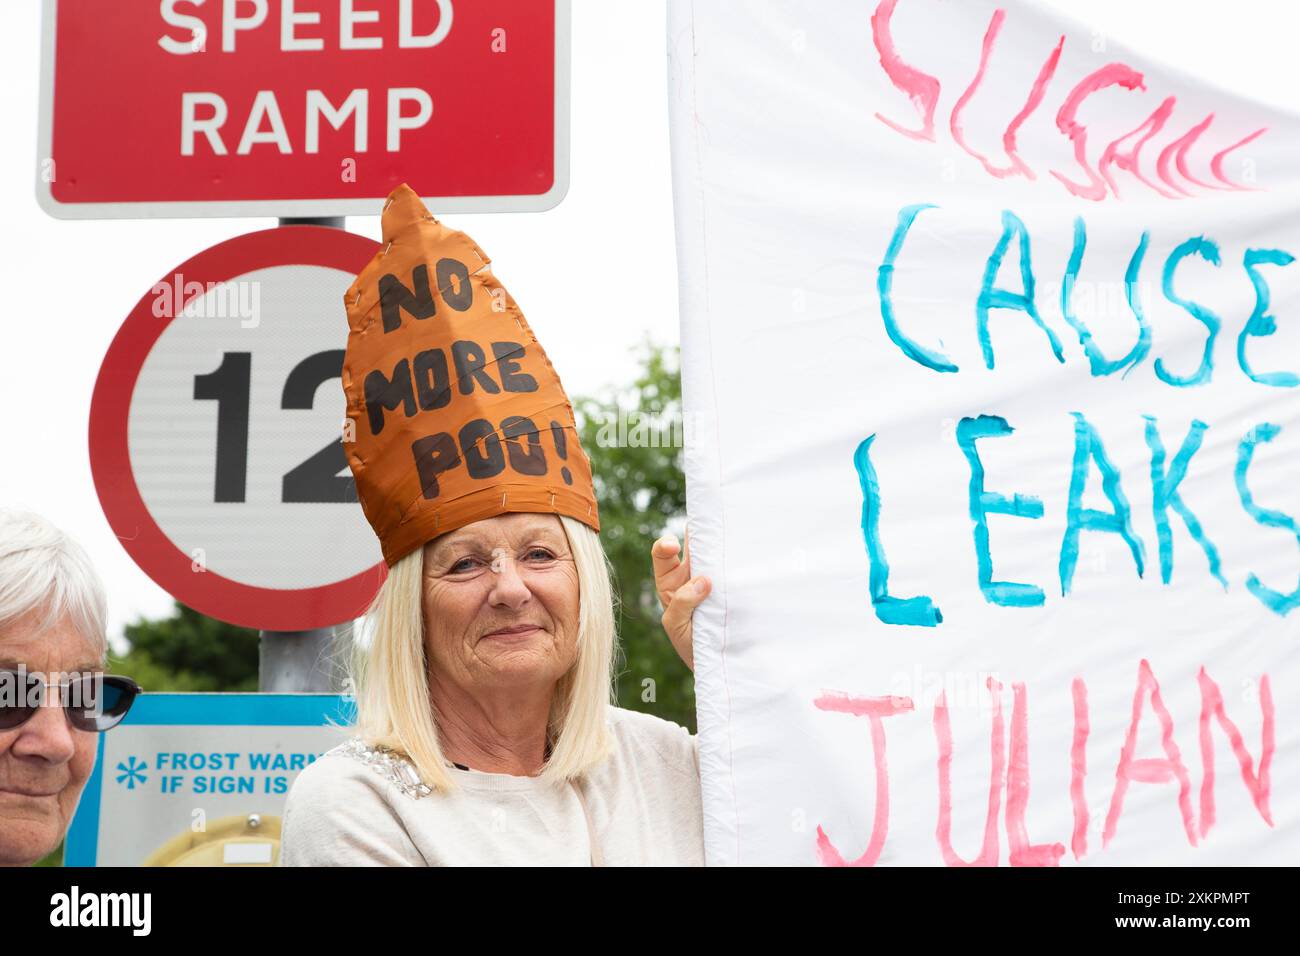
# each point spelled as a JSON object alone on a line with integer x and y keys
{"x": 241, "y": 840}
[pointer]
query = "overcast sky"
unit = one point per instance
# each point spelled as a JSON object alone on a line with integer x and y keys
{"x": 616, "y": 222}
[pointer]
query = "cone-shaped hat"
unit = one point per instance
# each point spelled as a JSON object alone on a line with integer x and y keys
{"x": 456, "y": 414}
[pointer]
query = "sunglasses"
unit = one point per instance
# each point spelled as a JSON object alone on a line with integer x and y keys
{"x": 94, "y": 703}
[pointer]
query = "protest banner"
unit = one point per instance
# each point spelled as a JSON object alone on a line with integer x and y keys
{"x": 991, "y": 334}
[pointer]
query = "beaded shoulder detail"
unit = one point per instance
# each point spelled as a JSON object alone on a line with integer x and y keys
{"x": 389, "y": 764}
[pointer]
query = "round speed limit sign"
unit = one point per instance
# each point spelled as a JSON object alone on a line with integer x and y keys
{"x": 216, "y": 433}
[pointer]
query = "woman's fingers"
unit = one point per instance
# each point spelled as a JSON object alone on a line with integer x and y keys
{"x": 671, "y": 572}
{"x": 679, "y": 593}
{"x": 677, "y": 616}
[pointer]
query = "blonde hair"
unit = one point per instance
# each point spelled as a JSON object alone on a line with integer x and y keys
{"x": 390, "y": 672}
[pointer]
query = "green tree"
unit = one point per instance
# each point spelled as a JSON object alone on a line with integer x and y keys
{"x": 633, "y": 437}
{"x": 190, "y": 651}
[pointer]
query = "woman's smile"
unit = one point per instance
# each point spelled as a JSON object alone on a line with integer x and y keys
{"x": 516, "y": 632}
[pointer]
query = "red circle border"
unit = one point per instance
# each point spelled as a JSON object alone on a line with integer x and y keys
{"x": 269, "y": 609}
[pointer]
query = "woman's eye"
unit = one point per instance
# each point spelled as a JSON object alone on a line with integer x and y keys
{"x": 540, "y": 554}
{"x": 463, "y": 565}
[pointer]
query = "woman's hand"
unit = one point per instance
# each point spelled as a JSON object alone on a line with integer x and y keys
{"x": 679, "y": 593}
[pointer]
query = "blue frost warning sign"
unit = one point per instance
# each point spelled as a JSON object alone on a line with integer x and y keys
{"x": 200, "y": 779}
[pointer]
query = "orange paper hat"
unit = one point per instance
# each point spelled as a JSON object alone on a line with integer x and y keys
{"x": 456, "y": 413}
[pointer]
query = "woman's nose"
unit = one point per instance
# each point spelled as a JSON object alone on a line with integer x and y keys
{"x": 508, "y": 586}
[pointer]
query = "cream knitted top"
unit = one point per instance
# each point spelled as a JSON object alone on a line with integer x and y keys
{"x": 357, "y": 806}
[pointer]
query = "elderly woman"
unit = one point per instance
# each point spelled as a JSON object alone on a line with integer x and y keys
{"x": 52, "y": 634}
{"x": 486, "y": 732}
{"x": 489, "y": 674}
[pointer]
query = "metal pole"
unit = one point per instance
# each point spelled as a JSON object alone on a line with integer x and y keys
{"x": 333, "y": 222}
{"x": 303, "y": 662}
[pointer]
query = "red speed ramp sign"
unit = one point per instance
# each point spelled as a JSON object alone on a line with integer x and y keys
{"x": 314, "y": 108}
{"x": 216, "y": 433}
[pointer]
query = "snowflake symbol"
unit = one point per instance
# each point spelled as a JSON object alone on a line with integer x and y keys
{"x": 132, "y": 772}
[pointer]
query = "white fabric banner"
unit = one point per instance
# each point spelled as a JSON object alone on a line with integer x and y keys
{"x": 991, "y": 336}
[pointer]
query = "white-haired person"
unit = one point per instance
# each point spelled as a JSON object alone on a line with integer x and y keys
{"x": 486, "y": 730}
{"x": 52, "y": 636}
